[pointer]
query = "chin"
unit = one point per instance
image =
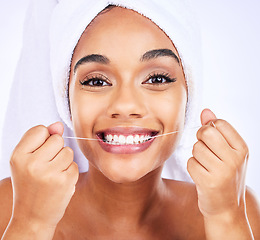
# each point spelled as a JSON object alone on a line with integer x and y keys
{"x": 123, "y": 179}
{"x": 124, "y": 173}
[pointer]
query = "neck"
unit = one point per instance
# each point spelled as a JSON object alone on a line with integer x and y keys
{"x": 128, "y": 201}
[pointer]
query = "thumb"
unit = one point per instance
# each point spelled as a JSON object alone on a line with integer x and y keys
{"x": 56, "y": 128}
{"x": 206, "y": 116}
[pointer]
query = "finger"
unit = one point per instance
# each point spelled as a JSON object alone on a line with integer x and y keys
{"x": 73, "y": 172}
{"x": 215, "y": 141}
{"x": 50, "y": 148}
{"x": 196, "y": 170}
{"x": 230, "y": 134}
{"x": 63, "y": 160}
{"x": 33, "y": 139}
{"x": 206, "y": 116}
{"x": 205, "y": 156}
{"x": 56, "y": 128}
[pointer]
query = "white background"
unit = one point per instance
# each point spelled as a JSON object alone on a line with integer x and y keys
{"x": 231, "y": 53}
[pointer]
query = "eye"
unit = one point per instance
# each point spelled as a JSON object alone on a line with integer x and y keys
{"x": 95, "y": 82}
{"x": 159, "y": 79}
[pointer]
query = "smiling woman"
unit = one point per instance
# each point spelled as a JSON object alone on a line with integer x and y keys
{"x": 123, "y": 81}
{"x": 121, "y": 93}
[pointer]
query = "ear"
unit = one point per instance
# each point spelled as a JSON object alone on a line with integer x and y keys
{"x": 207, "y": 116}
{"x": 56, "y": 128}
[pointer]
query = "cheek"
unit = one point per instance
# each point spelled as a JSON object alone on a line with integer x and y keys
{"x": 84, "y": 114}
{"x": 172, "y": 115}
{"x": 170, "y": 109}
{"x": 85, "y": 110}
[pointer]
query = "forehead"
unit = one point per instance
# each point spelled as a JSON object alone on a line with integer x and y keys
{"x": 120, "y": 32}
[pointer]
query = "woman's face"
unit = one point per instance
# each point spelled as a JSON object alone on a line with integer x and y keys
{"x": 126, "y": 85}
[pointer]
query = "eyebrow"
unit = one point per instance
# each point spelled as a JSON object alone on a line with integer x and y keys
{"x": 152, "y": 54}
{"x": 159, "y": 53}
{"x": 97, "y": 58}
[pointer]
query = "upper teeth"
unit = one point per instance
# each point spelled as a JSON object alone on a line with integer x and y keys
{"x": 124, "y": 140}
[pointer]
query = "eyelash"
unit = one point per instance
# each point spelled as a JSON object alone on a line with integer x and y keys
{"x": 164, "y": 79}
{"x": 91, "y": 81}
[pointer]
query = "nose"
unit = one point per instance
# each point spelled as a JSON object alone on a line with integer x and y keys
{"x": 126, "y": 102}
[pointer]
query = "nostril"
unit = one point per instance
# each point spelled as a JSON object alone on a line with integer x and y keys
{"x": 132, "y": 115}
{"x": 135, "y": 115}
{"x": 114, "y": 115}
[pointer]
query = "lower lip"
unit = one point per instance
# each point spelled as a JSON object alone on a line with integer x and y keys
{"x": 125, "y": 149}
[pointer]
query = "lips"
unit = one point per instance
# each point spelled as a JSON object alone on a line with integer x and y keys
{"x": 126, "y": 140}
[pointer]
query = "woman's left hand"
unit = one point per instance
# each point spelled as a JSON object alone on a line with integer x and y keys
{"x": 218, "y": 167}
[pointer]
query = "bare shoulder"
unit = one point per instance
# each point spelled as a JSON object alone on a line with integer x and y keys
{"x": 253, "y": 212}
{"x": 182, "y": 187}
{"x": 6, "y": 202}
{"x": 183, "y": 199}
{"x": 184, "y": 193}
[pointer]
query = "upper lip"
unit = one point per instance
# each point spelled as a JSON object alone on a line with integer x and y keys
{"x": 125, "y": 131}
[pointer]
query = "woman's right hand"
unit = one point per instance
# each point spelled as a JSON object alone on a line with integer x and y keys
{"x": 43, "y": 176}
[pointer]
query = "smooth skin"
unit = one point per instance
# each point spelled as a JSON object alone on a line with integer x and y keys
{"x": 123, "y": 196}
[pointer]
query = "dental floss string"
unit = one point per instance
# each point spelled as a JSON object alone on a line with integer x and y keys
{"x": 94, "y": 139}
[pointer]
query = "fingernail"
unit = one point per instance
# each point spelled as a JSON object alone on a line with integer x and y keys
{"x": 213, "y": 124}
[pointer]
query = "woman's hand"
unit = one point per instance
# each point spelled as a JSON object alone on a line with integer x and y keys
{"x": 43, "y": 176}
{"x": 218, "y": 168}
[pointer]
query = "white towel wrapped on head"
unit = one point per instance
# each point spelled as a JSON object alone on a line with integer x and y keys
{"x": 52, "y": 31}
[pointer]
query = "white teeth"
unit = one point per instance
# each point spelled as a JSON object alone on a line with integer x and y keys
{"x": 121, "y": 139}
{"x": 141, "y": 139}
{"x": 116, "y": 139}
{"x": 126, "y": 140}
{"x": 147, "y": 137}
{"x": 109, "y": 138}
{"x": 136, "y": 139}
{"x": 130, "y": 139}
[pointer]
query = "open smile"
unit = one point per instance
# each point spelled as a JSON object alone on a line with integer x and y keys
{"x": 126, "y": 140}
